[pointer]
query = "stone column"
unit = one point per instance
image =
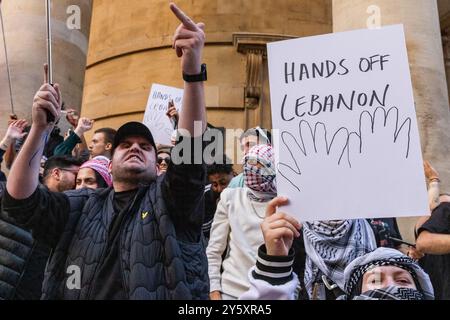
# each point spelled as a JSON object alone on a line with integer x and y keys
{"x": 25, "y": 31}
{"x": 423, "y": 37}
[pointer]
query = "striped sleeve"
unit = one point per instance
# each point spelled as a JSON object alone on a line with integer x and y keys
{"x": 276, "y": 270}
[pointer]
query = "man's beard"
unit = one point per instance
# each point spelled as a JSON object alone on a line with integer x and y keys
{"x": 65, "y": 186}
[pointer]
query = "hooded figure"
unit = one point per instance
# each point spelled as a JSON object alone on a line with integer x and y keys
{"x": 380, "y": 275}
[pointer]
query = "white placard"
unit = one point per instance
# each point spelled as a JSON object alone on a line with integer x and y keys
{"x": 348, "y": 144}
{"x": 155, "y": 113}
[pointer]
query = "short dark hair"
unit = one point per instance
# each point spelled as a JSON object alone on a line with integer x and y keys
{"x": 225, "y": 167}
{"x": 62, "y": 162}
{"x": 109, "y": 134}
{"x": 101, "y": 183}
{"x": 258, "y": 132}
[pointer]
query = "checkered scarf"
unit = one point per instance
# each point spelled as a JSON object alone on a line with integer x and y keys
{"x": 260, "y": 181}
{"x": 330, "y": 246}
{"x": 388, "y": 293}
{"x": 385, "y": 257}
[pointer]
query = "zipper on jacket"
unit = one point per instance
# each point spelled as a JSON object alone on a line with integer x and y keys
{"x": 139, "y": 196}
{"x": 108, "y": 234}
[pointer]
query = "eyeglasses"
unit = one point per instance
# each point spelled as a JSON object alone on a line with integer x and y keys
{"x": 166, "y": 160}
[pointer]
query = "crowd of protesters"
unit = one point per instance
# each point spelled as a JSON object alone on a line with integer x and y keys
{"x": 116, "y": 218}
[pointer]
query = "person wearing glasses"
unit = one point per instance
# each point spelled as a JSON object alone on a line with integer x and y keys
{"x": 163, "y": 159}
{"x": 24, "y": 258}
{"x": 60, "y": 173}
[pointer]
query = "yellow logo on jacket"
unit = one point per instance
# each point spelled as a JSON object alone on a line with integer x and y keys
{"x": 144, "y": 215}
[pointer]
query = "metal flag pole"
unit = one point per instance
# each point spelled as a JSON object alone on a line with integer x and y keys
{"x": 49, "y": 71}
{"x": 48, "y": 14}
{"x": 7, "y": 61}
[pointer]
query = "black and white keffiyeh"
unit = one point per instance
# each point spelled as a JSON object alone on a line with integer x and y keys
{"x": 330, "y": 246}
{"x": 388, "y": 293}
{"x": 386, "y": 257}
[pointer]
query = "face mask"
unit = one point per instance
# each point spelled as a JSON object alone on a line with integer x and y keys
{"x": 259, "y": 179}
{"x": 259, "y": 172}
{"x": 391, "y": 293}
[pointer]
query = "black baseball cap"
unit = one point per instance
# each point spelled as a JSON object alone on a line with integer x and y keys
{"x": 133, "y": 128}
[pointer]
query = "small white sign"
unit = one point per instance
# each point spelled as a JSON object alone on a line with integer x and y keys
{"x": 155, "y": 117}
{"x": 348, "y": 144}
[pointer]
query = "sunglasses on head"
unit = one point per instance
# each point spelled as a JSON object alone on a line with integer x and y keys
{"x": 166, "y": 160}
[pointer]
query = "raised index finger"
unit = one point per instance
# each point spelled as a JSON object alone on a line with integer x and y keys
{"x": 273, "y": 204}
{"x": 185, "y": 20}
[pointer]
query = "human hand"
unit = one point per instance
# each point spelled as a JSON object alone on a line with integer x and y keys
{"x": 415, "y": 254}
{"x": 172, "y": 111}
{"x": 47, "y": 101}
{"x": 430, "y": 172}
{"x": 15, "y": 129}
{"x": 279, "y": 229}
{"x": 215, "y": 295}
{"x": 188, "y": 42}
{"x": 84, "y": 124}
{"x": 72, "y": 117}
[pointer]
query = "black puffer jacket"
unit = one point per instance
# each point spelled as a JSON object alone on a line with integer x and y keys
{"x": 162, "y": 252}
{"x": 22, "y": 261}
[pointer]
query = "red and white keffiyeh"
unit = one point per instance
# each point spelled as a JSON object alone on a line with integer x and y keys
{"x": 259, "y": 172}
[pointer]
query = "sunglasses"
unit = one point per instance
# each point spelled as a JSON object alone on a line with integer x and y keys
{"x": 166, "y": 160}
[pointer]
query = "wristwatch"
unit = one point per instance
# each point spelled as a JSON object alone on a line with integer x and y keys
{"x": 196, "y": 77}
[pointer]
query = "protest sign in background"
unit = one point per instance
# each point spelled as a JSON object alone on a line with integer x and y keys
{"x": 347, "y": 144}
{"x": 155, "y": 113}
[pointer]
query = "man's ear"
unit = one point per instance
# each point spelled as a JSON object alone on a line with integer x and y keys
{"x": 110, "y": 167}
{"x": 108, "y": 146}
{"x": 56, "y": 174}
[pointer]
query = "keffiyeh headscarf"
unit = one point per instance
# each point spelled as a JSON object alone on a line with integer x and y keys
{"x": 260, "y": 180}
{"x": 100, "y": 164}
{"x": 386, "y": 257}
{"x": 330, "y": 246}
